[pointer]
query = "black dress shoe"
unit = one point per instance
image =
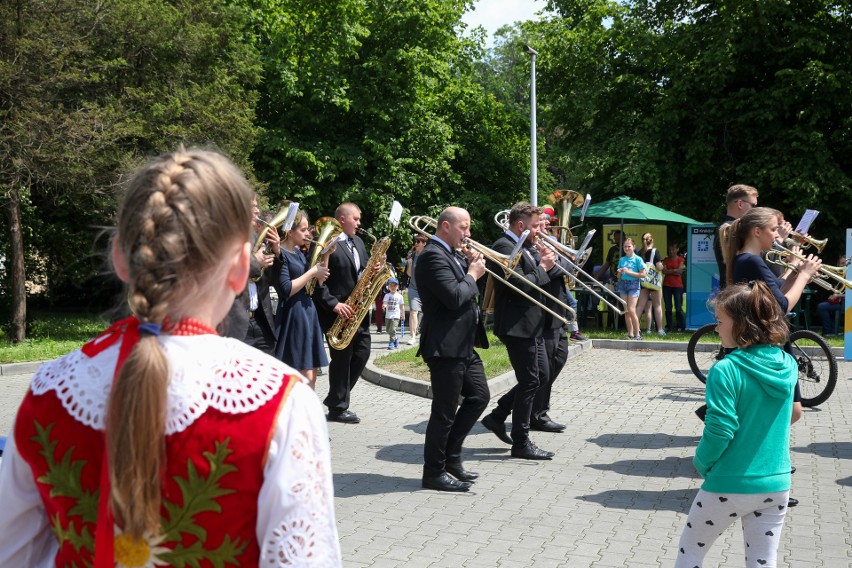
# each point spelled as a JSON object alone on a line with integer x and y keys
{"x": 345, "y": 416}
{"x": 498, "y": 427}
{"x": 530, "y": 451}
{"x": 792, "y": 502}
{"x": 445, "y": 483}
{"x": 547, "y": 426}
{"x": 459, "y": 472}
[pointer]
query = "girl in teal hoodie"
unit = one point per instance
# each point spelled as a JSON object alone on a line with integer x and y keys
{"x": 744, "y": 453}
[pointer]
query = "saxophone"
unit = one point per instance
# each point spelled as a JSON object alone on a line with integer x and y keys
{"x": 362, "y": 297}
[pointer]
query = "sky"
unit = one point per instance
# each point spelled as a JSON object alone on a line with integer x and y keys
{"x": 493, "y": 14}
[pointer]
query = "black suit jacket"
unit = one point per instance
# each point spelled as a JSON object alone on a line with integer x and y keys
{"x": 556, "y": 288}
{"x": 236, "y": 322}
{"x": 515, "y": 315}
{"x": 342, "y": 279}
{"x": 452, "y": 324}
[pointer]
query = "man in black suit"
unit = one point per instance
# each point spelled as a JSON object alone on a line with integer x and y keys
{"x": 452, "y": 326}
{"x": 250, "y": 318}
{"x": 345, "y": 265}
{"x": 520, "y": 325}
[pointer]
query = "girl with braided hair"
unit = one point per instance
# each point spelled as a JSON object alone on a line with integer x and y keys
{"x": 159, "y": 442}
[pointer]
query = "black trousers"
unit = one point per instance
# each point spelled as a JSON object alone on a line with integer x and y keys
{"x": 345, "y": 368}
{"x": 556, "y": 348}
{"x": 260, "y": 337}
{"x": 449, "y": 423}
{"x": 532, "y": 369}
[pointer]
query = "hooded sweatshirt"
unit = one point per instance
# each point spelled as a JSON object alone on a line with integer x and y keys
{"x": 746, "y": 443}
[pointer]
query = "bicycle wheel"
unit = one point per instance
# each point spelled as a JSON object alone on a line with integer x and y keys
{"x": 702, "y": 356}
{"x": 817, "y": 366}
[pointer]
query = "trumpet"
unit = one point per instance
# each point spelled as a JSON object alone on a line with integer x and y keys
{"x": 565, "y": 253}
{"x": 829, "y": 277}
{"x": 805, "y": 241}
{"x": 420, "y": 224}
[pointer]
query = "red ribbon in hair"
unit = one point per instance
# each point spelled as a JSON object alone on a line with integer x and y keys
{"x": 127, "y": 330}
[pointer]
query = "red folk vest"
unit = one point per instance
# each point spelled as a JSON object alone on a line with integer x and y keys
{"x": 213, "y": 475}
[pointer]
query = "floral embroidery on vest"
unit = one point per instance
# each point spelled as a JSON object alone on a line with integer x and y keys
{"x": 199, "y": 494}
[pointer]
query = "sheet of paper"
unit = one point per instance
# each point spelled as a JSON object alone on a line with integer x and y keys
{"x": 807, "y": 220}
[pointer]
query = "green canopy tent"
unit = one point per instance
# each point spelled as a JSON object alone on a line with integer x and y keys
{"x": 627, "y": 208}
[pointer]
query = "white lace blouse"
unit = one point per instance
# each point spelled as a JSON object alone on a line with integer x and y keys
{"x": 296, "y": 523}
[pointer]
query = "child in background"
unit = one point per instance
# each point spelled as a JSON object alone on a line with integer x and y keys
{"x": 744, "y": 453}
{"x": 673, "y": 289}
{"x": 394, "y": 312}
{"x": 631, "y": 270}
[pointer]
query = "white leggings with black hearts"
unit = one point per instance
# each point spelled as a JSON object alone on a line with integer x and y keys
{"x": 762, "y": 515}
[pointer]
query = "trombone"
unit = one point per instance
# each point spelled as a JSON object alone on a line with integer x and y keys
{"x": 805, "y": 241}
{"x": 829, "y": 277}
{"x": 420, "y": 224}
{"x": 564, "y": 252}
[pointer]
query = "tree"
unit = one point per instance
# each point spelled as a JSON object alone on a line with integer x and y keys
{"x": 398, "y": 117}
{"x": 677, "y": 100}
{"x": 89, "y": 89}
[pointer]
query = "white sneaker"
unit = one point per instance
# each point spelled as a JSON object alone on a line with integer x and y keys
{"x": 411, "y": 341}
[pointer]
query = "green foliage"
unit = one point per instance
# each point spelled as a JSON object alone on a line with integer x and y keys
{"x": 88, "y": 90}
{"x": 400, "y": 116}
{"x": 673, "y": 102}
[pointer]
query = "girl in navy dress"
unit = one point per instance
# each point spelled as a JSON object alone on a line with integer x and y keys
{"x": 746, "y": 239}
{"x": 300, "y": 340}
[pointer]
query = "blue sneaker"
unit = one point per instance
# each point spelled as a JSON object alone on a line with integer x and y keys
{"x": 396, "y": 343}
{"x": 390, "y": 346}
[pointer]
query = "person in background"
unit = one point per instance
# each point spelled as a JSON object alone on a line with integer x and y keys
{"x": 520, "y": 325}
{"x": 612, "y": 257}
{"x": 570, "y": 300}
{"x": 300, "y": 339}
{"x": 414, "y": 304}
{"x": 345, "y": 265}
{"x": 251, "y": 319}
{"x": 631, "y": 270}
{"x": 673, "y": 267}
{"x": 651, "y": 301}
{"x": 97, "y": 471}
{"x": 394, "y": 307}
{"x": 744, "y": 452}
{"x": 452, "y": 326}
{"x": 832, "y": 305}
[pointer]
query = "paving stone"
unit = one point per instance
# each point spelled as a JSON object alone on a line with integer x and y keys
{"x": 615, "y": 495}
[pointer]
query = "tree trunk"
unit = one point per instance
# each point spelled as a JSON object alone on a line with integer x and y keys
{"x": 17, "y": 273}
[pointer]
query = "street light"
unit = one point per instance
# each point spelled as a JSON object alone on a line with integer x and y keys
{"x": 533, "y": 157}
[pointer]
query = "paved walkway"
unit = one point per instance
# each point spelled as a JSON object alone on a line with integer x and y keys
{"x": 616, "y": 494}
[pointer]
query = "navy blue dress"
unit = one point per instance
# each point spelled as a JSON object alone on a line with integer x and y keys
{"x": 300, "y": 339}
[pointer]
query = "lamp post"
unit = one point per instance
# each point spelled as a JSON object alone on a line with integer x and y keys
{"x": 533, "y": 156}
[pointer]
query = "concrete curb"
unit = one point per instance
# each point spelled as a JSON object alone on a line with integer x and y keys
{"x": 29, "y": 367}
{"x": 401, "y": 383}
{"x": 628, "y": 345}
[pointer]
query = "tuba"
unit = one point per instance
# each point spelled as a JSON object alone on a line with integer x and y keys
{"x": 343, "y": 330}
{"x": 327, "y": 229}
{"x": 563, "y": 201}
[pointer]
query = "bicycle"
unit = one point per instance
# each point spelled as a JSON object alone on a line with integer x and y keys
{"x": 817, "y": 364}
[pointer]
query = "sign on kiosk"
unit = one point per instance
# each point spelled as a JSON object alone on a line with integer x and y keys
{"x": 702, "y": 274}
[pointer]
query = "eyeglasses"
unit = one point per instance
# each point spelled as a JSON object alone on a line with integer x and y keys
{"x": 748, "y": 203}
{"x": 648, "y": 239}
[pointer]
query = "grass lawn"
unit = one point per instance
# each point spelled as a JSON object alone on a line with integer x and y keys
{"x": 403, "y": 362}
{"x": 50, "y": 336}
{"x": 496, "y": 360}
